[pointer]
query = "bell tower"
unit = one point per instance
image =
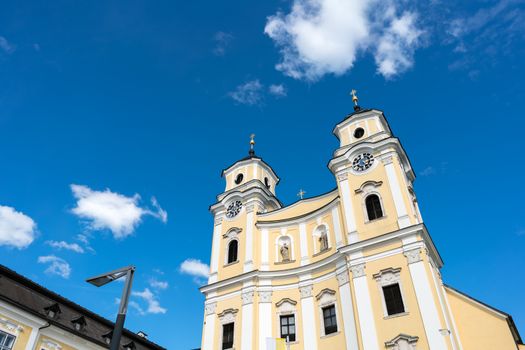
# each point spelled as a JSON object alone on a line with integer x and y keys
{"x": 250, "y": 189}
{"x": 374, "y": 175}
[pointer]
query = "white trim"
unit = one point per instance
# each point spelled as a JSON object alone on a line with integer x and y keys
{"x": 337, "y": 227}
{"x": 366, "y": 314}
{"x": 286, "y": 309}
{"x": 349, "y": 324}
{"x": 265, "y": 322}
{"x": 308, "y": 321}
{"x": 67, "y": 338}
{"x": 427, "y": 306}
{"x": 265, "y": 259}
{"x": 227, "y": 251}
{"x": 452, "y": 317}
{"x": 297, "y": 220}
{"x": 326, "y": 299}
{"x": 402, "y": 214}
{"x": 304, "y": 244}
{"x": 305, "y": 200}
{"x": 248, "y": 253}
{"x": 216, "y": 243}
{"x": 439, "y": 292}
{"x": 340, "y": 254}
{"x": 209, "y": 332}
{"x": 348, "y": 210}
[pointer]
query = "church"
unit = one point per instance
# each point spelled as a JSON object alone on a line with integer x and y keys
{"x": 352, "y": 269}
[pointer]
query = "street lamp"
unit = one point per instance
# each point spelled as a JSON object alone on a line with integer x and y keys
{"x": 105, "y": 278}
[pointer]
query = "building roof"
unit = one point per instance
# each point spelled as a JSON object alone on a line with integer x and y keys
{"x": 37, "y": 300}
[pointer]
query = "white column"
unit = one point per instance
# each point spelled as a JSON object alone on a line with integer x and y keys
{"x": 247, "y": 320}
{"x": 215, "y": 252}
{"x": 303, "y": 244}
{"x": 348, "y": 208}
{"x": 308, "y": 312}
{"x": 425, "y": 300}
{"x": 31, "y": 342}
{"x": 248, "y": 261}
{"x": 337, "y": 227}
{"x": 264, "y": 250}
{"x": 265, "y": 317}
{"x": 395, "y": 187}
{"x": 209, "y": 326}
{"x": 348, "y": 310}
{"x": 364, "y": 308}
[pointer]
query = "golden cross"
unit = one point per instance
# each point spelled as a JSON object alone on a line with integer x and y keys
{"x": 354, "y": 96}
{"x": 301, "y": 193}
{"x": 252, "y": 143}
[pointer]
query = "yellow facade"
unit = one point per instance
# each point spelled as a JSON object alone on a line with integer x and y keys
{"x": 354, "y": 268}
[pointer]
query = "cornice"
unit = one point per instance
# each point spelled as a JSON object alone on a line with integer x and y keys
{"x": 301, "y": 201}
{"x": 339, "y": 255}
{"x": 381, "y": 145}
{"x": 298, "y": 219}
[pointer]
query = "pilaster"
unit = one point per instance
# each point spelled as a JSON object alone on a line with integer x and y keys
{"x": 308, "y": 312}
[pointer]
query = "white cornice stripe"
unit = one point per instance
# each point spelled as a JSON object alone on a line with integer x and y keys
{"x": 306, "y": 200}
{"x": 299, "y": 219}
{"x": 338, "y": 256}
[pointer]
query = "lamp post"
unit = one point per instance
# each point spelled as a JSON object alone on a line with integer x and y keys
{"x": 105, "y": 278}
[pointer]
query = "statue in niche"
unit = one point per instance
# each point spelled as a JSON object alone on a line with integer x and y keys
{"x": 285, "y": 252}
{"x": 323, "y": 241}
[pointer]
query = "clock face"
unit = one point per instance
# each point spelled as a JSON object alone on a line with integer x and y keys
{"x": 362, "y": 162}
{"x": 233, "y": 209}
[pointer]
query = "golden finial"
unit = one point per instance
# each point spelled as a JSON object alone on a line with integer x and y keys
{"x": 301, "y": 193}
{"x": 355, "y": 99}
{"x": 252, "y": 144}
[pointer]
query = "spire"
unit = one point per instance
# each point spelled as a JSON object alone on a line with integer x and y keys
{"x": 252, "y": 144}
{"x": 355, "y": 99}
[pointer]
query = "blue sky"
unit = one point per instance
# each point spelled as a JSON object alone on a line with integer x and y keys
{"x": 116, "y": 118}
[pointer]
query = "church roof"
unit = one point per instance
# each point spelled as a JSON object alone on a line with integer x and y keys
{"x": 34, "y": 299}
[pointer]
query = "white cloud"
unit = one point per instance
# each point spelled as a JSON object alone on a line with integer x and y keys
{"x": 429, "y": 170}
{"x": 153, "y": 304}
{"x": 16, "y": 229}
{"x": 222, "y": 42}
{"x": 6, "y": 46}
{"x": 278, "y": 90}
{"x": 249, "y": 93}
{"x": 195, "y": 268}
{"x": 154, "y": 283}
{"x": 67, "y": 246}
{"x": 113, "y": 211}
{"x": 58, "y": 266}
{"x": 320, "y": 37}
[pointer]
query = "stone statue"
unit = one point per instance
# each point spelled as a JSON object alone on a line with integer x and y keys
{"x": 285, "y": 252}
{"x": 323, "y": 241}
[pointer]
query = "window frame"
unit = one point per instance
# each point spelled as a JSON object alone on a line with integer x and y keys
{"x": 332, "y": 318}
{"x": 385, "y": 278}
{"x": 8, "y": 336}
{"x": 379, "y": 203}
{"x": 227, "y": 257}
{"x": 288, "y": 316}
{"x": 232, "y": 335}
{"x": 327, "y": 298}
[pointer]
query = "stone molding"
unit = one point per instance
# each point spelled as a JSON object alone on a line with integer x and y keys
{"x": 227, "y": 316}
{"x": 402, "y": 342}
{"x": 358, "y": 270}
{"x": 247, "y": 297}
{"x": 387, "y": 276}
{"x": 413, "y": 256}
{"x": 210, "y": 308}
{"x": 343, "y": 278}
{"x": 306, "y": 291}
{"x": 265, "y": 296}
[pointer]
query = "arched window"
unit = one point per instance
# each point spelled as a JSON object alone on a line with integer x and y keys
{"x": 232, "y": 251}
{"x": 373, "y": 207}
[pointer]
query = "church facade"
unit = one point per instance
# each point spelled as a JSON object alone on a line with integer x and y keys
{"x": 354, "y": 268}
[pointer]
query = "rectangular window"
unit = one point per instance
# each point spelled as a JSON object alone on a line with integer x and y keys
{"x": 393, "y": 299}
{"x": 227, "y": 336}
{"x": 288, "y": 327}
{"x": 330, "y": 321}
{"x": 6, "y": 341}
